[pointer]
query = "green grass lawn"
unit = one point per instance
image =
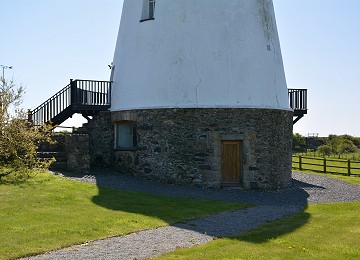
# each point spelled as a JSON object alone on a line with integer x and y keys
{"x": 332, "y": 231}
{"x": 322, "y": 231}
{"x": 49, "y": 212}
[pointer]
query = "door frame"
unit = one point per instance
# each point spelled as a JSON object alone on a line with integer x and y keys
{"x": 241, "y": 175}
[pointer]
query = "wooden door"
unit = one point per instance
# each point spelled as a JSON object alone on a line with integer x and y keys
{"x": 230, "y": 163}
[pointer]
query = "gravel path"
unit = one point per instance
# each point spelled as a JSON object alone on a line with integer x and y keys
{"x": 307, "y": 189}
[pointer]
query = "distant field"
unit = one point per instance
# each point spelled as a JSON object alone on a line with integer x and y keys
{"x": 348, "y": 156}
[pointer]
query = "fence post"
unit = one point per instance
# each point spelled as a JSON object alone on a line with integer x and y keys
{"x": 324, "y": 164}
{"x": 300, "y": 166}
{"x": 349, "y": 167}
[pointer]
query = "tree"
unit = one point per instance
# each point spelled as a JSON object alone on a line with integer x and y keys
{"x": 346, "y": 146}
{"x": 343, "y": 144}
{"x": 333, "y": 142}
{"x": 324, "y": 150}
{"x": 19, "y": 140}
{"x": 299, "y": 142}
{"x": 355, "y": 140}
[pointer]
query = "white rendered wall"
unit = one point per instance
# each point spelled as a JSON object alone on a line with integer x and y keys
{"x": 199, "y": 53}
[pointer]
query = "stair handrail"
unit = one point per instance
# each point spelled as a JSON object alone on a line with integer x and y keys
{"x": 51, "y": 107}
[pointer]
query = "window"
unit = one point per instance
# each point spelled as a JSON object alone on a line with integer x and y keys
{"x": 125, "y": 135}
{"x": 148, "y": 10}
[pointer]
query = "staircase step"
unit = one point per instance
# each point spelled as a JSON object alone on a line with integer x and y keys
{"x": 57, "y": 147}
{"x": 51, "y": 154}
{"x": 58, "y": 166}
{"x": 59, "y": 156}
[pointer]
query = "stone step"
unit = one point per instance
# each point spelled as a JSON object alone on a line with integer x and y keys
{"x": 58, "y": 166}
{"x": 59, "y": 156}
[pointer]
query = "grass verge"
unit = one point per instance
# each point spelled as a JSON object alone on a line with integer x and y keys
{"x": 48, "y": 212}
{"x": 330, "y": 231}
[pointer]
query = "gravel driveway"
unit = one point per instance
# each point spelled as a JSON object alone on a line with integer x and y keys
{"x": 306, "y": 189}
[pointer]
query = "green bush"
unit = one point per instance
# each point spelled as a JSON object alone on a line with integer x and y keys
{"x": 324, "y": 150}
{"x": 299, "y": 143}
{"x": 19, "y": 140}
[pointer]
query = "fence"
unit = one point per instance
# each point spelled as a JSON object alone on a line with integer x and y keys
{"x": 326, "y": 165}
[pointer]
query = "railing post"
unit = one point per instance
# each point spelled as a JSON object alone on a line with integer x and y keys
{"x": 349, "y": 167}
{"x": 109, "y": 93}
{"x": 300, "y": 166}
{"x": 73, "y": 92}
{"x": 324, "y": 164}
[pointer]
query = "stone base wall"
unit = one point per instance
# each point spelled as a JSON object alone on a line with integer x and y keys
{"x": 183, "y": 146}
{"x": 101, "y": 139}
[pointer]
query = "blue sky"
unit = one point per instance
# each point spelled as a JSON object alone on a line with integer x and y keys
{"x": 49, "y": 42}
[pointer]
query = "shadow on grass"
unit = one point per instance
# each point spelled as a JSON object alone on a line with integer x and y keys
{"x": 165, "y": 208}
{"x": 275, "y": 229}
{"x": 170, "y": 209}
{"x": 271, "y": 206}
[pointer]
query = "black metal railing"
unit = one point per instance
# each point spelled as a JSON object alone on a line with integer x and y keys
{"x": 78, "y": 96}
{"x": 82, "y": 95}
{"x": 298, "y": 99}
{"x": 51, "y": 107}
{"x": 90, "y": 92}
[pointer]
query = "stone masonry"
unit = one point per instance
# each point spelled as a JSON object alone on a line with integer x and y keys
{"x": 101, "y": 139}
{"x": 71, "y": 152}
{"x": 183, "y": 146}
{"x": 77, "y": 152}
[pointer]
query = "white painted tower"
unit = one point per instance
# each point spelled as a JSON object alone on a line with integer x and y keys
{"x": 177, "y": 61}
{"x": 199, "y": 53}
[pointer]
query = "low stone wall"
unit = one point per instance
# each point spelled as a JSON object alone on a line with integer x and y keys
{"x": 184, "y": 145}
{"x": 77, "y": 153}
{"x": 56, "y": 150}
{"x": 71, "y": 152}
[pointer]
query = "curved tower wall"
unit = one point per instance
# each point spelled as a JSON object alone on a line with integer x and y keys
{"x": 199, "y": 95}
{"x": 199, "y": 53}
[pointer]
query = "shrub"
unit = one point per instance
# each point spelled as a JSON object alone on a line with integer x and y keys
{"x": 324, "y": 150}
{"x": 299, "y": 142}
{"x": 346, "y": 146}
{"x": 19, "y": 140}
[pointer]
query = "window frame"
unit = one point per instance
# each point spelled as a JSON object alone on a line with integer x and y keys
{"x": 148, "y": 11}
{"x": 116, "y": 135}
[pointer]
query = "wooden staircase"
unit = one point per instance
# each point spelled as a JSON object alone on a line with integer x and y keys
{"x": 86, "y": 97}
